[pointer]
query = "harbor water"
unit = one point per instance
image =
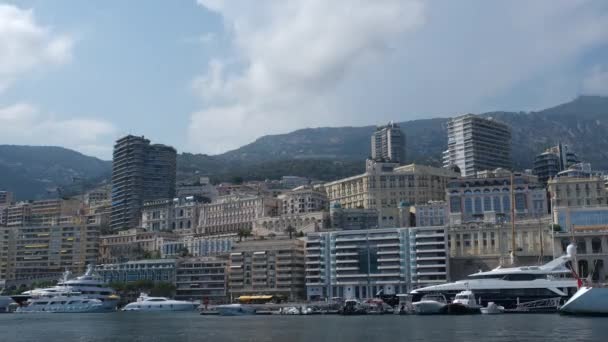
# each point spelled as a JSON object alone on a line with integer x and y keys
{"x": 150, "y": 327}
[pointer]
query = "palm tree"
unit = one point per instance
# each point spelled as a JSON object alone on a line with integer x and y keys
{"x": 290, "y": 230}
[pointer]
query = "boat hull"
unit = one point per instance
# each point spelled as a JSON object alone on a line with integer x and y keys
{"x": 235, "y": 310}
{"x": 428, "y": 307}
{"x": 587, "y": 301}
{"x": 160, "y": 308}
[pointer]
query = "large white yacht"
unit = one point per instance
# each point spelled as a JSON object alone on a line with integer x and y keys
{"x": 145, "y": 303}
{"x": 68, "y": 302}
{"x": 89, "y": 285}
{"x": 515, "y": 286}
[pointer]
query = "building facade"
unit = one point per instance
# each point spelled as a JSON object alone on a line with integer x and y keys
{"x": 434, "y": 213}
{"x": 477, "y": 144}
{"x": 155, "y": 270}
{"x": 577, "y": 192}
{"x": 488, "y": 198}
{"x": 6, "y": 198}
{"x": 204, "y": 279}
{"x": 301, "y": 223}
{"x": 384, "y": 187}
{"x": 179, "y": 215}
{"x": 362, "y": 264}
{"x": 552, "y": 161}
{"x": 140, "y": 172}
{"x": 196, "y": 246}
{"x": 132, "y": 244}
{"x": 232, "y": 213}
{"x": 202, "y": 188}
{"x": 268, "y": 267}
{"x": 353, "y": 218}
{"x": 303, "y": 199}
{"x": 388, "y": 144}
{"x": 46, "y": 251}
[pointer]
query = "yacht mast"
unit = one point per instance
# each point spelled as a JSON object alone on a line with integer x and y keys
{"x": 512, "y": 221}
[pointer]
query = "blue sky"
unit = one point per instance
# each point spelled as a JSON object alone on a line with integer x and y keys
{"x": 212, "y": 75}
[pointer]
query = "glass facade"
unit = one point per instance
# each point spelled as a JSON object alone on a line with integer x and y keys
{"x": 595, "y": 217}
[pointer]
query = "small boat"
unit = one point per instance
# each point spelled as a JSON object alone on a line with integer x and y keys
{"x": 146, "y": 303}
{"x": 72, "y": 302}
{"x": 587, "y": 301}
{"x": 353, "y": 307}
{"x": 464, "y": 303}
{"x": 235, "y": 310}
{"x": 430, "y": 304}
{"x": 492, "y": 309}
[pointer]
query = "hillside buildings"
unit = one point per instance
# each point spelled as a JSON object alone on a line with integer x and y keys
{"x": 487, "y": 197}
{"x": 179, "y": 215}
{"x": 270, "y": 267}
{"x": 297, "y": 223}
{"x": 477, "y": 144}
{"x": 388, "y": 144}
{"x": 140, "y": 172}
{"x": 197, "y": 246}
{"x": 352, "y": 218}
{"x": 202, "y": 188}
{"x": 155, "y": 270}
{"x": 364, "y": 263}
{"x": 552, "y": 161}
{"x": 589, "y": 191}
{"x": 132, "y": 244}
{"x": 384, "y": 186}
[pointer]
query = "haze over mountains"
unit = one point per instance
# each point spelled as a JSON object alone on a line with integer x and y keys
{"x": 323, "y": 153}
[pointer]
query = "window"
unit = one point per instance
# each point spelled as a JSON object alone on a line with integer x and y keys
{"x": 468, "y": 206}
{"x": 520, "y": 202}
{"x": 487, "y": 203}
{"x": 478, "y": 208}
{"x": 455, "y": 206}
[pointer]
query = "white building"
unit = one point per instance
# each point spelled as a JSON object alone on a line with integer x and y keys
{"x": 363, "y": 263}
{"x": 229, "y": 214}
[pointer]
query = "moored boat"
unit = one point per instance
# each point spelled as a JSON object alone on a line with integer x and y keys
{"x": 64, "y": 303}
{"x": 587, "y": 301}
{"x": 430, "y": 304}
{"x": 145, "y": 303}
{"x": 235, "y": 310}
{"x": 463, "y": 304}
{"x": 492, "y": 309}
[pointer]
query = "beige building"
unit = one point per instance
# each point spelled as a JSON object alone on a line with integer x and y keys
{"x": 229, "y": 214}
{"x": 203, "y": 278}
{"x": 484, "y": 246}
{"x": 577, "y": 192}
{"x": 384, "y": 186}
{"x": 131, "y": 244}
{"x": 45, "y": 251}
{"x": 303, "y": 199}
{"x": 268, "y": 267}
{"x": 306, "y": 223}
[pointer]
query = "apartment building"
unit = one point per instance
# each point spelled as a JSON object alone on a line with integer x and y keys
{"x": 229, "y": 214}
{"x": 197, "y": 246}
{"x": 552, "y": 161}
{"x": 352, "y": 218}
{"x": 268, "y": 267}
{"x": 303, "y": 199}
{"x": 45, "y": 251}
{"x": 364, "y": 263}
{"x": 204, "y": 279}
{"x": 476, "y": 144}
{"x": 301, "y": 223}
{"x": 6, "y": 198}
{"x": 384, "y": 186}
{"x": 388, "y": 144}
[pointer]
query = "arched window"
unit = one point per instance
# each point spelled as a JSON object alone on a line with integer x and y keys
{"x": 189, "y": 224}
{"x": 596, "y": 245}
{"x": 506, "y": 203}
{"x": 468, "y": 205}
{"x": 497, "y": 206}
{"x": 598, "y": 269}
{"x": 487, "y": 203}
{"x": 478, "y": 208}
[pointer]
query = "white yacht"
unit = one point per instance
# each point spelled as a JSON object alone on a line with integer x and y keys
{"x": 235, "y": 310}
{"x": 587, "y": 301}
{"x": 69, "y": 302}
{"x": 146, "y": 303}
{"x": 430, "y": 304}
{"x": 89, "y": 285}
{"x": 492, "y": 309}
{"x": 513, "y": 287}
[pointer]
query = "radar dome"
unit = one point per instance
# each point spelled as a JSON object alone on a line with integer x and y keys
{"x": 571, "y": 250}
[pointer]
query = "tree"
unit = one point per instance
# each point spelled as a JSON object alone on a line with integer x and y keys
{"x": 290, "y": 230}
{"x": 556, "y": 227}
{"x": 243, "y": 233}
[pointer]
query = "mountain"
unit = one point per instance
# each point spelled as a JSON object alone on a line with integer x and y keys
{"x": 326, "y": 153}
{"x": 34, "y": 172}
{"x": 581, "y": 123}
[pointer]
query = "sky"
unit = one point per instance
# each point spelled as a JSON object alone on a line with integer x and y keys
{"x": 209, "y": 76}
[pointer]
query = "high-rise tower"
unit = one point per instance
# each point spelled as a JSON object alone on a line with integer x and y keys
{"x": 388, "y": 144}
{"x": 140, "y": 172}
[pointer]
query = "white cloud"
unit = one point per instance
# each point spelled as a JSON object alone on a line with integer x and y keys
{"x": 25, "y": 45}
{"x": 289, "y": 54}
{"x": 302, "y": 63}
{"x": 23, "y": 123}
{"x": 596, "y": 82}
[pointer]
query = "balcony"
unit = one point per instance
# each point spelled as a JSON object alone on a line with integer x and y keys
{"x": 389, "y": 260}
{"x": 430, "y": 266}
{"x": 434, "y": 250}
{"x": 346, "y": 247}
{"x": 347, "y": 268}
{"x": 430, "y": 273}
{"x": 347, "y": 253}
{"x": 389, "y": 252}
{"x": 389, "y": 267}
{"x": 431, "y": 258}
{"x": 348, "y": 261}
{"x": 430, "y": 243}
